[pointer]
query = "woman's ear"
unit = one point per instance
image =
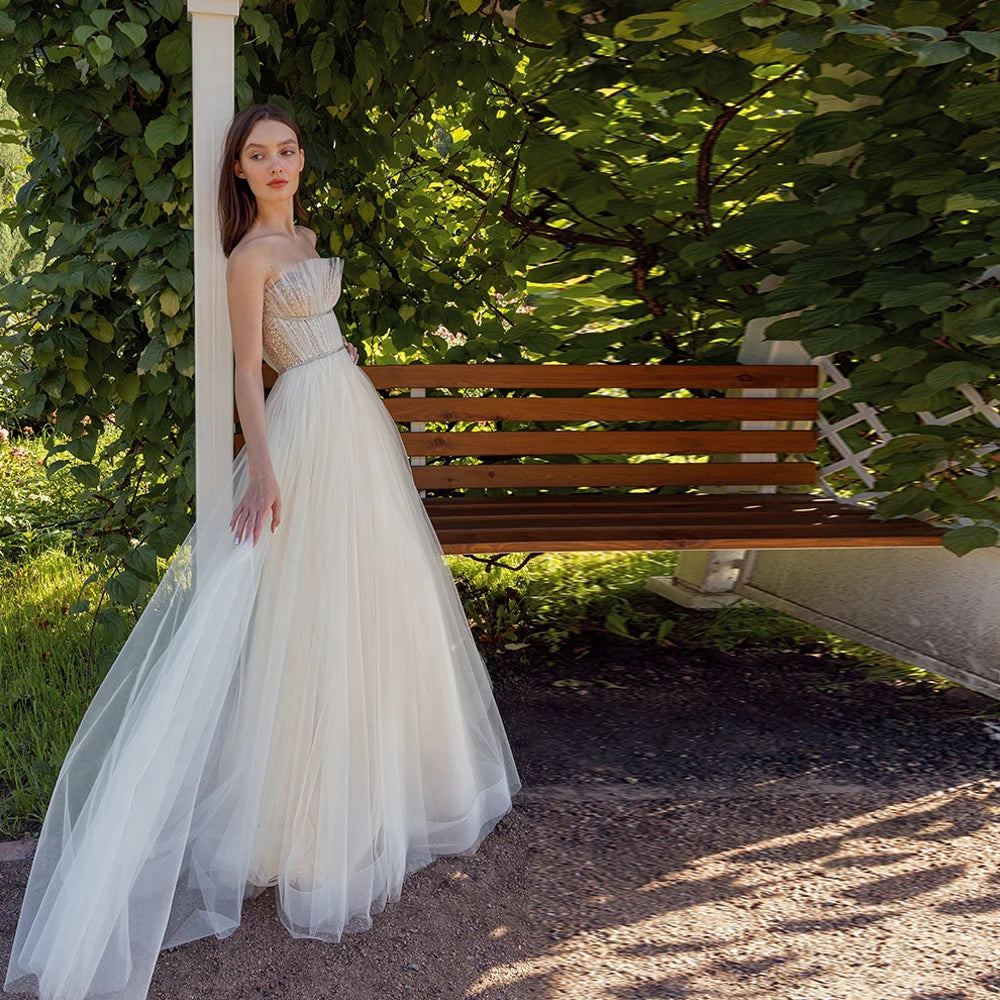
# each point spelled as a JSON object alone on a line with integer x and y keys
{"x": 237, "y": 169}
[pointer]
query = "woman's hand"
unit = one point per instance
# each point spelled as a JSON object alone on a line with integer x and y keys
{"x": 261, "y": 496}
{"x": 352, "y": 351}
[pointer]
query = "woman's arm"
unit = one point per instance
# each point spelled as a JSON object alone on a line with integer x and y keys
{"x": 245, "y": 276}
{"x": 245, "y": 291}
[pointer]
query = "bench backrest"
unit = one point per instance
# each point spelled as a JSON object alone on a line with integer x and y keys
{"x": 763, "y": 425}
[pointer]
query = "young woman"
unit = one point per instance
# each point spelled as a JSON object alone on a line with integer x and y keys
{"x": 301, "y": 707}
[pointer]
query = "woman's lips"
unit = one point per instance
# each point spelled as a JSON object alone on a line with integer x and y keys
{"x": 276, "y": 184}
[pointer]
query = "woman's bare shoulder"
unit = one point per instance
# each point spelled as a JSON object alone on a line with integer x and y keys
{"x": 305, "y": 231}
{"x": 249, "y": 261}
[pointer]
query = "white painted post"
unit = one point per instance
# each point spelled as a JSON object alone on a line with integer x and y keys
{"x": 704, "y": 579}
{"x": 213, "y": 103}
{"x": 418, "y": 426}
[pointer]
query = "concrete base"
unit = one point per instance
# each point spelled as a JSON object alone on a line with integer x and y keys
{"x": 679, "y": 592}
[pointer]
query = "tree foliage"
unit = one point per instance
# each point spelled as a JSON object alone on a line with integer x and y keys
{"x": 572, "y": 180}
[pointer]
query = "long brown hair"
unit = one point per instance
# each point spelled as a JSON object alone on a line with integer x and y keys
{"x": 237, "y": 204}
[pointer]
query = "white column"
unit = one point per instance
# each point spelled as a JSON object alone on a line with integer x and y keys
{"x": 213, "y": 103}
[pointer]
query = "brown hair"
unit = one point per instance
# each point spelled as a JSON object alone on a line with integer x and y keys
{"x": 237, "y": 204}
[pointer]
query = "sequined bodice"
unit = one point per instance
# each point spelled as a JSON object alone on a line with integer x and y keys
{"x": 299, "y": 322}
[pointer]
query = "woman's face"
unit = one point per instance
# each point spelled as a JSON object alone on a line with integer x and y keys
{"x": 271, "y": 161}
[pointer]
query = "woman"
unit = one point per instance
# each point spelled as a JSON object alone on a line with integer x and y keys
{"x": 303, "y": 707}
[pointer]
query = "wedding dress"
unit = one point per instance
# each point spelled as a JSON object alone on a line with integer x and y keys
{"x": 310, "y": 712}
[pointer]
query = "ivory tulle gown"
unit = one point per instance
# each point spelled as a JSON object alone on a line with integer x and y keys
{"x": 310, "y": 713}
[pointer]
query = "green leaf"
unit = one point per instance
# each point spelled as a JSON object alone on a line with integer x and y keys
{"x": 135, "y": 33}
{"x": 973, "y": 488}
{"x": 972, "y": 103}
{"x": 414, "y": 10}
{"x": 651, "y": 27}
{"x": 101, "y": 49}
{"x": 537, "y": 21}
{"x": 127, "y": 386}
{"x": 142, "y": 561}
{"x": 762, "y": 17}
{"x": 124, "y": 587}
{"x": 323, "y": 53}
{"x": 166, "y": 130}
{"x": 935, "y": 53}
{"x": 892, "y": 227}
{"x": 87, "y": 475}
{"x": 146, "y": 79}
{"x": 956, "y": 373}
{"x": 173, "y": 54}
{"x": 985, "y": 41}
{"x": 927, "y": 30}
{"x": 16, "y": 296}
{"x": 938, "y": 294}
{"x": 392, "y": 30}
{"x": 170, "y": 302}
{"x": 849, "y": 337}
{"x": 800, "y": 7}
{"x": 152, "y": 356}
{"x": 706, "y": 10}
{"x": 905, "y": 503}
{"x": 366, "y": 61}
{"x": 963, "y": 540}
{"x": 133, "y": 241}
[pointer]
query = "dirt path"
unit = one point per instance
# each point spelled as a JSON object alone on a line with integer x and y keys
{"x": 693, "y": 825}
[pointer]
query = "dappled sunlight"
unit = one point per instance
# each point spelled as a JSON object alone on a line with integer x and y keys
{"x": 852, "y": 905}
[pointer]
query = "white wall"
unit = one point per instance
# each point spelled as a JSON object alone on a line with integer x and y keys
{"x": 924, "y": 606}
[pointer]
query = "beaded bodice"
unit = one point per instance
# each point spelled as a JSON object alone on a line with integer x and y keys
{"x": 299, "y": 324}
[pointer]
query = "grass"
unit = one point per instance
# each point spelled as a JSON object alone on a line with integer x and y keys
{"x": 559, "y": 595}
{"x": 45, "y": 680}
{"x": 37, "y": 511}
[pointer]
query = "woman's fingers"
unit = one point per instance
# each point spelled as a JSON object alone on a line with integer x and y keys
{"x": 247, "y": 522}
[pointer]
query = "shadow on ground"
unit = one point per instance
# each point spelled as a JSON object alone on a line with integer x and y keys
{"x": 693, "y": 824}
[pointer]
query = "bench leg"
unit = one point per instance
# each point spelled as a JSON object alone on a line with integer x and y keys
{"x": 703, "y": 580}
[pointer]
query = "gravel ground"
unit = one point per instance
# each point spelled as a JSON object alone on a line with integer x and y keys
{"x": 693, "y": 825}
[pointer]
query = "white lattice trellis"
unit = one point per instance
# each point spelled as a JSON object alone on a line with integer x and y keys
{"x": 854, "y": 460}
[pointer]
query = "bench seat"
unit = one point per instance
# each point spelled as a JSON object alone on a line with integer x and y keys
{"x": 635, "y": 522}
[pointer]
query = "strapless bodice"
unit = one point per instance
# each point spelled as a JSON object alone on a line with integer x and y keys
{"x": 299, "y": 324}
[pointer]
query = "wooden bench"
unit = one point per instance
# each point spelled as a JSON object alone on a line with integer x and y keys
{"x": 572, "y": 486}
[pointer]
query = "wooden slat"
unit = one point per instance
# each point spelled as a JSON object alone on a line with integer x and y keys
{"x": 766, "y": 521}
{"x": 466, "y": 443}
{"x": 515, "y": 519}
{"x": 447, "y": 408}
{"x": 636, "y": 509}
{"x": 674, "y": 532}
{"x": 545, "y": 474}
{"x": 733, "y": 540}
{"x": 580, "y": 504}
{"x": 593, "y": 376}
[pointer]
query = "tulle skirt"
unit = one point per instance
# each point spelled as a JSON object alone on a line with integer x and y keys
{"x": 309, "y": 713}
